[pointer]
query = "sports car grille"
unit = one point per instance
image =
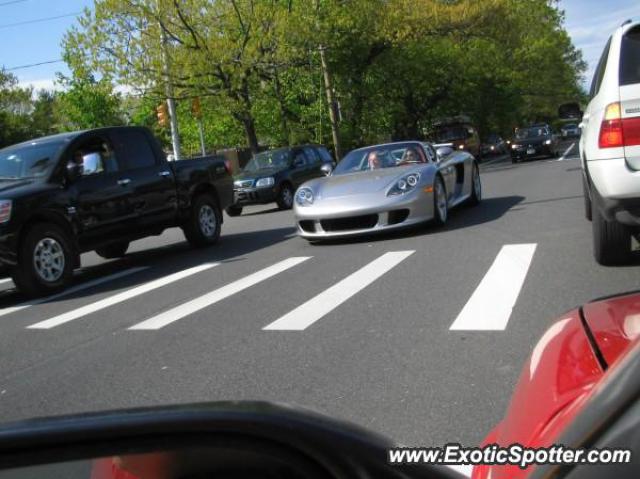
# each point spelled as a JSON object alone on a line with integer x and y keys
{"x": 350, "y": 223}
{"x": 308, "y": 226}
{"x": 398, "y": 216}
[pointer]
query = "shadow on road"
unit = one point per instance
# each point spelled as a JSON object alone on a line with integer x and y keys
{"x": 262, "y": 212}
{"x": 462, "y": 217}
{"x": 164, "y": 261}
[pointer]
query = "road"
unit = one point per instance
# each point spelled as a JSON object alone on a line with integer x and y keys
{"x": 386, "y": 357}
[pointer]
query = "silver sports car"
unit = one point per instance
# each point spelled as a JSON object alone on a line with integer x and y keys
{"x": 386, "y": 187}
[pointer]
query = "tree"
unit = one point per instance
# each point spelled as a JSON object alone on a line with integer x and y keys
{"x": 87, "y": 103}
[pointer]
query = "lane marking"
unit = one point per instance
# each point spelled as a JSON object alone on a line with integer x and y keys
{"x": 491, "y": 304}
{"x": 563, "y": 157}
{"x": 314, "y": 309}
{"x": 73, "y": 289}
{"x": 190, "y": 307}
{"x": 119, "y": 298}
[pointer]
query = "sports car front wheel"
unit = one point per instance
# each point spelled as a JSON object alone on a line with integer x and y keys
{"x": 476, "y": 186}
{"x": 440, "y": 207}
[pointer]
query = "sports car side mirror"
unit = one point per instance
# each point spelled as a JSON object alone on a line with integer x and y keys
{"x": 443, "y": 152}
{"x": 226, "y": 439}
{"x": 326, "y": 169}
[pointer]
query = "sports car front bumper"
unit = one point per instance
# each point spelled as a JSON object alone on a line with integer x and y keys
{"x": 363, "y": 214}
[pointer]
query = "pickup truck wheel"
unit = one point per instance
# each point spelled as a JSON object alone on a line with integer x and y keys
{"x": 203, "y": 226}
{"x": 611, "y": 241}
{"x": 285, "y": 197}
{"x": 234, "y": 210}
{"x": 45, "y": 261}
{"x": 115, "y": 250}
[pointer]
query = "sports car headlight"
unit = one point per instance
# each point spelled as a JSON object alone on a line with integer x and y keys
{"x": 265, "y": 182}
{"x": 304, "y": 197}
{"x": 548, "y": 142}
{"x": 405, "y": 184}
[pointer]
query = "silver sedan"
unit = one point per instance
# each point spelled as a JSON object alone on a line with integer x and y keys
{"x": 385, "y": 187}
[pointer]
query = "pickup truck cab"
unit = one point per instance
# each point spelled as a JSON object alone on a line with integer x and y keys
{"x": 98, "y": 190}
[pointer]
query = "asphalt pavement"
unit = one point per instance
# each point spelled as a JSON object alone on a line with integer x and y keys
{"x": 368, "y": 333}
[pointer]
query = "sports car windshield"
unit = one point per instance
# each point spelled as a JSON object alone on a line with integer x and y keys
{"x": 269, "y": 159}
{"x": 376, "y": 157}
{"x": 28, "y": 161}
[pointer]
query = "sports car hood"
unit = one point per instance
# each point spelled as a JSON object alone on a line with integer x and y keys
{"x": 362, "y": 182}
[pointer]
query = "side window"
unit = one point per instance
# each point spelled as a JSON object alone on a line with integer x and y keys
{"x": 325, "y": 155}
{"x": 312, "y": 155}
{"x": 135, "y": 149}
{"x": 600, "y": 69}
{"x": 96, "y": 156}
{"x": 630, "y": 58}
{"x": 431, "y": 154}
{"x": 299, "y": 158}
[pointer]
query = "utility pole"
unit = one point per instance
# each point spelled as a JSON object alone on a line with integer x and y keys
{"x": 333, "y": 107}
{"x": 171, "y": 104}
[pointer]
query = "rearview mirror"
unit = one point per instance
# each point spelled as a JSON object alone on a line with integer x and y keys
{"x": 443, "y": 152}
{"x": 227, "y": 439}
{"x": 569, "y": 111}
{"x": 91, "y": 163}
{"x": 326, "y": 168}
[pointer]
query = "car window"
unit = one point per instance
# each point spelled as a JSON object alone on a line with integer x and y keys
{"x": 97, "y": 156}
{"x": 324, "y": 154}
{"x": 600, "y": 69}
{"x": 630, "y": 58}
{"x": 28, "y": 161}
{"x": 312, "y": 155}
{"x": 300, "y": 158}
{"x": 429, "y": 152}
{"x": 135, "y": 150}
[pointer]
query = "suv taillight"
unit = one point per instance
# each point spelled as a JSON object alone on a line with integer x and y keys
{"x": 616, "y": 131}
{"x": 611, "y": 128}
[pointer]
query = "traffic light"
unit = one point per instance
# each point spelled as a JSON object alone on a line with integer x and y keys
{"x": 196, "y": 111}
{"x": 163, "y": 115}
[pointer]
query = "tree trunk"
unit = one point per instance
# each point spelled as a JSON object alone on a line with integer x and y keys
{"x": 250, "y": 131}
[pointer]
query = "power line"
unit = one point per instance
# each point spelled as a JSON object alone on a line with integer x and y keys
{"x": 33, "y": 65}
{"x": 40, "y": 20}
{"x": 12, "y": 2}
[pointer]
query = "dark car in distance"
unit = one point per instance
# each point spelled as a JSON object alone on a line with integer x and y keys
{"x": 493, "y": 145}
{"x": 533, "y": 142}
{"x": 273, "y": 176}
{"x": 98, "y": 190}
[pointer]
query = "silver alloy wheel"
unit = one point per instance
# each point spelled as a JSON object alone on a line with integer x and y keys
{"x": 441, "y": 201}
{"x": 49, "y": 260}
{"x": 208, "y": 221}
{"x": 287, "y": 196}
{"x": 477, "y": 185}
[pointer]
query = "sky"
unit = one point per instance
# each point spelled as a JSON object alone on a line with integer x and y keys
{"x": 589, "y": 23}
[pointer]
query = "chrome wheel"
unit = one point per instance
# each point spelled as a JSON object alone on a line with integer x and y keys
{"x": 477, "y": 185}
{"x": 48, "y": 260}
{"x": 441, "y": 201}
{"x": 208, "y": 221}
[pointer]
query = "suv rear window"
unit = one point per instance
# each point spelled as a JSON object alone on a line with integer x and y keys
{"x": 630, "y": 58}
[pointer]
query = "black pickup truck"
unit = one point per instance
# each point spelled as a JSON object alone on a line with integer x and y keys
{"x": 98, "y": 190}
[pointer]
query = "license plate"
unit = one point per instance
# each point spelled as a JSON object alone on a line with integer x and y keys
{"x": 531, "y": 151}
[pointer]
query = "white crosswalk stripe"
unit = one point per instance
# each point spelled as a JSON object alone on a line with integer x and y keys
{"x": 491, "y": 304}
{"x": 217, "y": 295}
{"x": 305, "y": 315}
{"x": 118, "y": 298}
{"x": 73, "y": 289}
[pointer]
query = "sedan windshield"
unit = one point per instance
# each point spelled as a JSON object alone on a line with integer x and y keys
{"x": 269, "y": 159}
{"x": 377, "y": 157}
{"x": 524, "y": 133}
{"x": 28, "y": 161}
{"x": 444, "y": 135}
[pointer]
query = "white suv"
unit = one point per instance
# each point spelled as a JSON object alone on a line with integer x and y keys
{"x": 610, "y": 148}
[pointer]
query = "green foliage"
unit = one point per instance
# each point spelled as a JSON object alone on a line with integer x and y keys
{"x": 397, "y": 66}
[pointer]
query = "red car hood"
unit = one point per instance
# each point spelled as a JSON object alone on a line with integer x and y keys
{"x": 564, "y": 366}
